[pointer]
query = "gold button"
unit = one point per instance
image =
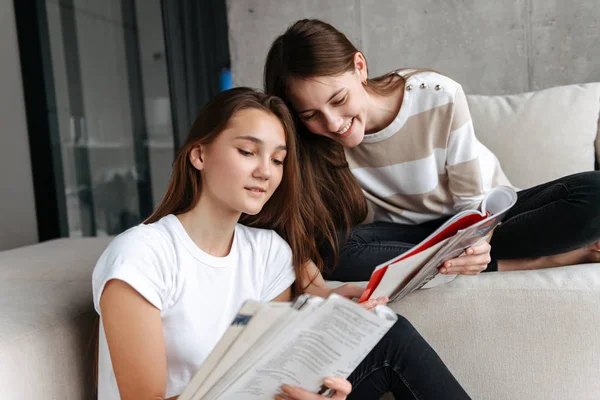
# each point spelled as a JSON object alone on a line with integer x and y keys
{"x": 423, "y": 85}
{"x": 408, "y": 88}
{"x": 437, "y": 87}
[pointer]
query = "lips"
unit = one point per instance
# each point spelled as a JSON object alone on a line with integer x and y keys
{"x": 256, "y": 189}
{"x": 345, "y": 131}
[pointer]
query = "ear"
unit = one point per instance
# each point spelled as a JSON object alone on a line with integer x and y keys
{"x": 197, "y": 156}
{"x": 360, "y": 65}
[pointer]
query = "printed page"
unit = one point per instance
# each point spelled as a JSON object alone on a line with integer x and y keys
{"x": 400, "y": 273}
{"x": 331, "y": 341}
{"x": 260, "y": 323}
{"x": 299, "y": 311}
{"x": 247, "y": 312}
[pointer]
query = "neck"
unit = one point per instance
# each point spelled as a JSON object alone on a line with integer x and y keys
{"x": 210, "y": 226}
{"x": 382, "y": 109}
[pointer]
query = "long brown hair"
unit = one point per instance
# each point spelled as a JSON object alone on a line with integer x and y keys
{"x": 332, "y": 199}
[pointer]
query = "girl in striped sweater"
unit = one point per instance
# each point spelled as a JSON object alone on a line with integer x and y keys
{"x": 387, "y": 160}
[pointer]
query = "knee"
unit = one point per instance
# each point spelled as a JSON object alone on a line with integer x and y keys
{"x": 592, "y": 179}
{"x": 403, "y": 342}
{"x": 592, "y": 184}
{"x": 585, "y": 191}
{"x": 359, "y": 235}
{"x": 402, "y": 332}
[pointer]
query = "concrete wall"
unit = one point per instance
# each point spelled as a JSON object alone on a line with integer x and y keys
{"x": 490, "y": 47}
{"x": 18, "y": 224}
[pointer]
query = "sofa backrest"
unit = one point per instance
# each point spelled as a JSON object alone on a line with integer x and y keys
{"x": 543, "y": 135}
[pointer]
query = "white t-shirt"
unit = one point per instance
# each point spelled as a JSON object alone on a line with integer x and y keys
{"x": 197, "y": 294}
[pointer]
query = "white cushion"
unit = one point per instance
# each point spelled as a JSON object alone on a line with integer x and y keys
{"x": 543, "y": 135}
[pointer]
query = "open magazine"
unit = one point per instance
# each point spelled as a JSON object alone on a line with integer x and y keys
{"x": 300, "y": 343}
{"x": 418, "y": 267}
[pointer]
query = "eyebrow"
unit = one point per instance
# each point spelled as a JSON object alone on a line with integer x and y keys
{"x": 256, "y": 140}
{"x": 331, "y": 98}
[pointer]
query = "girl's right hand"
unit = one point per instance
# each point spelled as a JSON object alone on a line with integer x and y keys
{"x": 341, "y": 386}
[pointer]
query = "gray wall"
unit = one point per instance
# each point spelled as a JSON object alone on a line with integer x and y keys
{"x": 490, "y": 47}
{"x": 18, "y": 225}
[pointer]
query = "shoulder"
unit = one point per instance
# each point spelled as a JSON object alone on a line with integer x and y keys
{"x": 427, "y": 89}
{"x": 143, "y": 239}
{"x": 143, "y": 247}
{"x": 144, "y": 257}
{"x": 430, "y": 86}
{"x": 266, "y": 239}
{"x": 436, "y": 82}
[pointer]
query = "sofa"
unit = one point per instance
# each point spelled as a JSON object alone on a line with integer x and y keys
{"x": 505, "y": 335}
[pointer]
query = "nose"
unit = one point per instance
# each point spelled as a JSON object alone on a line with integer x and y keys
{"x": 263, "y": 169}
{"x": 333, "y": 122}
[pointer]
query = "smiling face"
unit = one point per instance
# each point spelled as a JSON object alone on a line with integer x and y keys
{"x": 333, "y": 106}
{"x": 243, "y": 166}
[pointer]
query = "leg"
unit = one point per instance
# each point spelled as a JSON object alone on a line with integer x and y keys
{"x": 403, "y": 363}
{"x": 554, "y": 224}
{"x": 369, "y": 245}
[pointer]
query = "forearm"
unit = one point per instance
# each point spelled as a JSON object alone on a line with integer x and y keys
{"x": 312, "y": 281}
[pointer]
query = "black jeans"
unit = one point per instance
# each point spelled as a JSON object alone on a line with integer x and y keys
{"x": 548, "y": 219}
{"x": 403, "y": 363}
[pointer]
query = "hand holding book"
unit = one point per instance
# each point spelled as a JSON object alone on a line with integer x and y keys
{"x": 340, "y": 387}
{"x": 475, "y": 259}
{"x": 269, "y": 345}
{"x": 418, "y": 267}
{"x": 352, "y": 291}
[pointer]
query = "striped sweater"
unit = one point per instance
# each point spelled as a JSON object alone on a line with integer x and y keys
{"x": 427, "y": 163}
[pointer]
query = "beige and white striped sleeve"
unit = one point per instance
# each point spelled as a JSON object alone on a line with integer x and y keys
{"x": 468, "y": 176}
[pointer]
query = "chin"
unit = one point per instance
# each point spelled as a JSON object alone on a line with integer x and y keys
{"x": 353, "y": 140}
{"x": 252, "y": 209}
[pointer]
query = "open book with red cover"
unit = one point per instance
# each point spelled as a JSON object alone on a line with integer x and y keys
{"x": 418, "y": 267}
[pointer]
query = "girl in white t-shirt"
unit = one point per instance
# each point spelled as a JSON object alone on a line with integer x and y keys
{"x": 166, "y": 290}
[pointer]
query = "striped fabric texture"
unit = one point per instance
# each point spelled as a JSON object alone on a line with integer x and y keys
{"x": 427, "y": 163}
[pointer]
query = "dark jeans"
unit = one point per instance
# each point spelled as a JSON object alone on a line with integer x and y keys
{"x": 548, "y": 219}
{"x": 403, "y": 363}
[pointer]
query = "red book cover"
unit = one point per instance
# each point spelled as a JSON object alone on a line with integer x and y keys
{"x": 437, "y": 237}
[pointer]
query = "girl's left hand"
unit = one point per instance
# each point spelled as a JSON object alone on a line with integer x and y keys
{"x": 351, "y": 291}
{"x": 341, "y": 386}
{"x": 475, "y": 260}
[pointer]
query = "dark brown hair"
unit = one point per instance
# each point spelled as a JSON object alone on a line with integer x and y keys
{"x": 332, "y": 200}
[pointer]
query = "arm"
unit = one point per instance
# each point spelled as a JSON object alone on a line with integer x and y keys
{"x": 133, "y": 331}
{"x": 314, "y": 283}
{"x": 468, "y": 179}
{"x": 312, "y": 280}
{"x": 467, "y": 176}
{"x": 286, "y": 295}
